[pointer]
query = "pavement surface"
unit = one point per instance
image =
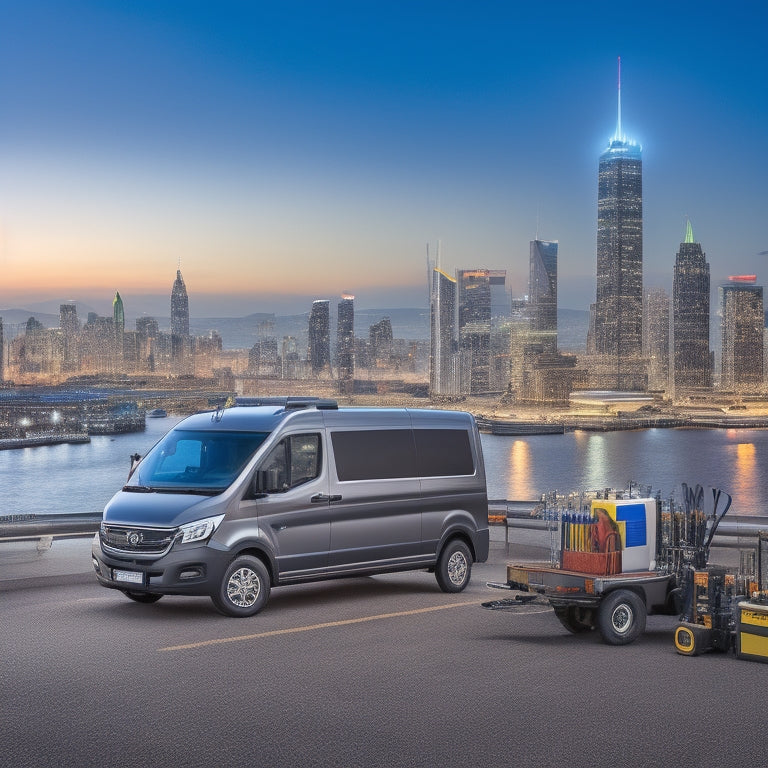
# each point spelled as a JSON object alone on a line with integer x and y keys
{"x": 377, "y": 671}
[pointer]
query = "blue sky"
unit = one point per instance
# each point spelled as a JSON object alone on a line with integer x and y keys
{"x": 287, "y": 151}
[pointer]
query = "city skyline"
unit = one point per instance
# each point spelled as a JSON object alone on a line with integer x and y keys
{"x": 283, "y": 154}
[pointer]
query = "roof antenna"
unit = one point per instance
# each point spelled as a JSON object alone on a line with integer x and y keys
{"x": 618, "y": 123}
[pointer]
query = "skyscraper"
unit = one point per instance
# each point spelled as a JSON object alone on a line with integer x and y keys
{"x": 70, "y": 329}
{"x": 443, "y": 363}
{"x": 619, "y": 298}
{"x": 475, "y": 293}
{"x": 320, "y": 335}
{"x": 179, "y": 317}
{"x": 742, "y": 324}
{"x": 179, "y": 307}
{"x": 542, "y": 294}
{"x": 345, "y": 338}
{"x": 118, "y": 318}
{"x": 691, "y": 358}
{"x": 656, "y": 337}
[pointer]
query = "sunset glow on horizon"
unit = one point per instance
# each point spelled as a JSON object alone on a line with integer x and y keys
{"x": 285, "y": 151}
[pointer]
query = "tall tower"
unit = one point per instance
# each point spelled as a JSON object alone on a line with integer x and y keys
{"x": 656, "y": 337}
{"x": 179, "y": 317}
{"x": 118, "y": 320}
{"x": 320, "y": 335}
{"x": 742, "y": 323}
{"x": 179, "y": 307}
{"x": 619, "y": 299}
{"x": 443, "y": 363}
{"x": 70, "y": 329}
{"x": 345, "y": 338}
{"x": 542, "y": 293}
{"x": 118, "y": 315}
{"x": 476, "y": 289}
{"x": 691, "y": 364}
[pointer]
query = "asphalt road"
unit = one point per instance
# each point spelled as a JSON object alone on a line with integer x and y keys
{"x": 381, "y": 671}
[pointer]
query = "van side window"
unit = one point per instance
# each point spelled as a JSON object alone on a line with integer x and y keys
{"x": 374, "y": 454}
{"x": 444, "y": 452}
{"x": 293, "y": 461}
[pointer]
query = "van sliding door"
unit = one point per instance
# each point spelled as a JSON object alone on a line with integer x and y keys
{"x": 375, "y": 507}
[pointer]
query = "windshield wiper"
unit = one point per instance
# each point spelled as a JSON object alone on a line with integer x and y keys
{"x": 138, "y": 489}
{"x": 189, "y": 490}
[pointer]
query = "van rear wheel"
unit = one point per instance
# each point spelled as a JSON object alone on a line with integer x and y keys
{"x": 454, "y": 567}
{"x": 244, "y": 588}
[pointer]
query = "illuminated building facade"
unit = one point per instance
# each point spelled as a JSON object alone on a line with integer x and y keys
{"x": 542, "y": 294}
{"x": 691, "y": 357}
{"x": 478, "y": 292}
{"x": 742, "y": 323}
{"x": 443, "y": 361}
{"x": 656, "y": 337}
{"x": 320, "y": 336}
{"x": 118, "y": 318}
{"x": 619, "y": 296}
{"x": 345, "y": 339}
{"x": 70, "y": 329}
{"x": 179, "y": 317}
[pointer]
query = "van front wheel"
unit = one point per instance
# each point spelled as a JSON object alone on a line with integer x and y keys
{"x": 454, "y": 567}
{"x": 244, "y": 588}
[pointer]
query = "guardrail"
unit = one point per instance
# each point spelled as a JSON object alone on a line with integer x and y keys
{"x": 37, "y": 526}
{"x": 516, "y": 514}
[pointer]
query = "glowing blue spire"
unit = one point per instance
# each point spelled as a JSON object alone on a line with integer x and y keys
{"x": 619, "y": 136}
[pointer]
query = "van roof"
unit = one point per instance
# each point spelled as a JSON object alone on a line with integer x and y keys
{"x": 265, "y": 418}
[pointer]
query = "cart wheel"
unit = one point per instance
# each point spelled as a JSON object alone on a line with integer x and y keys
{"x": 692, "y": 639}
{"x": 621, "y": 617}
{"x": 576, "y": 620}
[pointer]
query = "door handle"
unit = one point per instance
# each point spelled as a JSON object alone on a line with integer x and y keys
{"x": 322, "y": 498}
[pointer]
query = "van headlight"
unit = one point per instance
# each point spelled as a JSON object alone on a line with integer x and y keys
{"x": 200, "y": 529}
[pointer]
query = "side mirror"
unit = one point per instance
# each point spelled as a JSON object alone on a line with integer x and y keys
{"x": 135, "y": 459}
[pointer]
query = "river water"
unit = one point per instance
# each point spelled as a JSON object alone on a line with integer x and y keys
{"x": 82, "y": 478}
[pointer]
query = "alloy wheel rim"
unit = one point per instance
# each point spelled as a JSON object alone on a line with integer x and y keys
{"x": 457, "y": 568}
{"x": 244, "y": 587}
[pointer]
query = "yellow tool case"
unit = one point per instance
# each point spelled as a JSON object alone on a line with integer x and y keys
{"x": 752, "y": 631}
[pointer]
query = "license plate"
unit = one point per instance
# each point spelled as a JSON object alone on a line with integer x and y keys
{"x": 131, "y": 577}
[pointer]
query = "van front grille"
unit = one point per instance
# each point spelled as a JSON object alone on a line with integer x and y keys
{"x": 134, "y": 540}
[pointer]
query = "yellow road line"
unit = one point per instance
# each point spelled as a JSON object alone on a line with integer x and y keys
{"x": 309, "y": 628}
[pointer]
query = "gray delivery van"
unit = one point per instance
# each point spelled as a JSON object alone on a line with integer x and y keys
{"x": 233, "y": 502}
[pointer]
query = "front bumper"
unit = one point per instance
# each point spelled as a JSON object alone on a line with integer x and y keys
{"x": 185, "y": 570}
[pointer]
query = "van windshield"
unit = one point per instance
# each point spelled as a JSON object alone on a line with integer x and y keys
{"x": 195, "y": 461}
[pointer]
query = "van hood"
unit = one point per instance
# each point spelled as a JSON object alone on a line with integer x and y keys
{"x": 160, "y": 509}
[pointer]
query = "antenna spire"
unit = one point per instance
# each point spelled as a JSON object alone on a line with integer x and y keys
{"x": 618, "y": 122}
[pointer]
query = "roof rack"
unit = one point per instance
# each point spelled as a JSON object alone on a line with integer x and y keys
{"x": 290, "y": 403}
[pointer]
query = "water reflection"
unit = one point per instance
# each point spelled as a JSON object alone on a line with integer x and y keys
{"x": 735, "y": 461}
{"x": 594, "y": 462}
{"x": 519, "y": 471}
{"x": 744, "y": 470}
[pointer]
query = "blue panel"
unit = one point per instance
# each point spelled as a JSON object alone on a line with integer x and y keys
{"x": 633, "y": 516}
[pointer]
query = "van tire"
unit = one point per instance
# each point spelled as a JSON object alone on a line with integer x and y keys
{"x": 141, "y": 597}
{"x": 454, "y": 567}
{"x": 244, "y": 588}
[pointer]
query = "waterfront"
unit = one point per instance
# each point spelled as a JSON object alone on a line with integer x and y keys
{"x": 82, "y": 478}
